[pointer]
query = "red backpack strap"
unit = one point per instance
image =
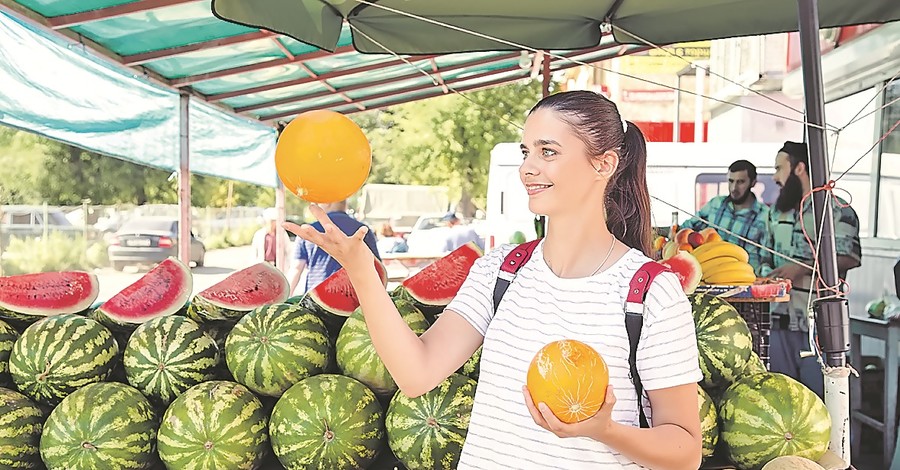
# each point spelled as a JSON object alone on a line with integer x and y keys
{"x": 634, "y": 322}
{"x": 511, "y": 265}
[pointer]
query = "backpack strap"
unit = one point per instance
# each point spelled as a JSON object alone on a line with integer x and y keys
{"x": 634, "y": 321}
{"x": 511, "y": 265}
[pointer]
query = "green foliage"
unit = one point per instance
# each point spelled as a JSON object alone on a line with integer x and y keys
{"x": 58, "y": 252}
{"x": 447, "y": 141}
{"x": 242, "y": 236}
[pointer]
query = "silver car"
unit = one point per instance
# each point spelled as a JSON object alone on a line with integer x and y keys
{"x": 149, "y": 240}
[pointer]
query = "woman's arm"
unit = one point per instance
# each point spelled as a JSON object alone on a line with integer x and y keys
{"x": 674, "y": 441}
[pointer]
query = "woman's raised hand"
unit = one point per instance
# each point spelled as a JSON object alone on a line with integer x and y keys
{"x": 350, "y": 251}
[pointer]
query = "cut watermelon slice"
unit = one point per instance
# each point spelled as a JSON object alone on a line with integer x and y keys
{"x": 162, "y": 291}
{"x": 334, "y": 299}
{"x": 30, "y": 297}
{"x": 239, "y": 293}
{"x": 436, "y": 285}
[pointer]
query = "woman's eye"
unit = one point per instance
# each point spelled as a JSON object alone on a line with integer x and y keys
{"x": 548, "y": 152}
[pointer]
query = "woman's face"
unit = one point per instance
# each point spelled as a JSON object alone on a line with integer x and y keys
{"x": 556, "y": 169}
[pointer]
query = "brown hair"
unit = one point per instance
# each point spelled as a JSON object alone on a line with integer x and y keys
{"x": 597, "y": 123}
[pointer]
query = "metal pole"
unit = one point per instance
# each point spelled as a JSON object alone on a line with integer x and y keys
{"x": 541, "y": 223}
{"x": 184, "y": 181}
{"x": 832, "y": 316}
{"x": 699, "y": 87}
{"x": 676, "y": 126}
{"x": 280, "y": 262}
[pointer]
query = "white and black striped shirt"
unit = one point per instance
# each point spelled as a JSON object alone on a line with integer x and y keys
{"x": 540, "y": 307}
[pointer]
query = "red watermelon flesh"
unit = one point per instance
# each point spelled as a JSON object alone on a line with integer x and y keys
{"x": 249, "y": 288}
{"x": 687, "y": 268}
{"x": 162, "y": 291}
{"x": 336, "y": 295}
{"x": 438, "y": 283}
{"x": 33, "y": 296}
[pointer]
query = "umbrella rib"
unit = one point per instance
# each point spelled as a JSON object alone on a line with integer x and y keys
{"x": 557, "y": 56}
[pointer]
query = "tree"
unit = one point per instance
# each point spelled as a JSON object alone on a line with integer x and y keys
{"x": 447, "y": 140}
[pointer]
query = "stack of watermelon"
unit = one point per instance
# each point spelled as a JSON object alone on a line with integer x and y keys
{"x": 236, "y": 377}
{"x": 750, "y": 416}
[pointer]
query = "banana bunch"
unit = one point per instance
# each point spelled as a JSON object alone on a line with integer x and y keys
{"x": 724, "y": 263}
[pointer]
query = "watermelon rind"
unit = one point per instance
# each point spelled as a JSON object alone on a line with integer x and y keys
{"x": 60, "y": 354}
{"x": 239, "y": 293}
{"x": 21, "y": 422}
{"x": 724, "y": 342}
{"x": 334, "y": 299}
{"x": 8, "y": 337}
{"x": 162, "y": 291}
{"x": 764, "y": 416}
{"x": 472, "y": 367}
{"x": 428, "y": 432}
{"x": 100, "y": 426}
{"x": 275, "y": 346}
{"x": 168, "y": 355}
{"x": 437, "y": 284}
{"x": 216, "y": 424}
{"x": 327, "y": 422}
{"x": 356, "y": 355}
{"x": 30, "y": 297}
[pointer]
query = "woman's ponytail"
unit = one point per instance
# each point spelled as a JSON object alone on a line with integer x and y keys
{"x": 627, "y": 196}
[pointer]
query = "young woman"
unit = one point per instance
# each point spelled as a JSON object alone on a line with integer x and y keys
{"x": 584, "y": 168}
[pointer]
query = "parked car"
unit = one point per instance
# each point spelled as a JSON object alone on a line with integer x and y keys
{"x": 28, "y": 222}
{"x": 149, "y": 240}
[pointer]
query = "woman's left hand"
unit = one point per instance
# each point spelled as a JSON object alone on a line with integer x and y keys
{"x": 596, "y": 427}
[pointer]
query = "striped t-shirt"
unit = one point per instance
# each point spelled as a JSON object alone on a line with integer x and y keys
{"x": 540, "y": 307}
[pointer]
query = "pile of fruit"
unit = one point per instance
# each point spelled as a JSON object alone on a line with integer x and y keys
{"x": 240, "y": 376}
{"x": 750, "y": 417}
{"x": 704, "y": 258}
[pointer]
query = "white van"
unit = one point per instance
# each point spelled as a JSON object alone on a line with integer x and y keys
{"x": 684, "y": 175}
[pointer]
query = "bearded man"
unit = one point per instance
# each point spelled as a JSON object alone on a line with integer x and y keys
{"x": 787, "y": 220}
{"x": 739, "y": 216}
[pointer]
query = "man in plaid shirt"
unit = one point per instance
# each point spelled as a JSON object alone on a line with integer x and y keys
{"x": 739, "y": 215}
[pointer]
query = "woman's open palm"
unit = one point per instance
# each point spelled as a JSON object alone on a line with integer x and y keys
{"x": 349, "y": 251}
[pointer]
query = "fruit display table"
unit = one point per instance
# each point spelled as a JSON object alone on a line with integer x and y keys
{"x": 753, "y": 302}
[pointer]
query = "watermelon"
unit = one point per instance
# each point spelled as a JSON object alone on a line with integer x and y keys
{"x": 723, "y": 340}
{"x": 8, "y": 336}
{"x": 168, "y": 355}
{"x": 472, "y": 367}
{"x": 428, "y": 432}
{"x": 100, "y": 426}
{"x": 436, "y": 285}
{"x": 30, "y": 297}
{"x": 239, "y": 293}
{"x": 162, "y": 291}
{"x": 20, "y": 431}
{"x": 60, "y": 354}
{"x": 765, "y": 416}
{"x": 709, "y": 423}
{"x": 334, "y": 299}
{"x": 327, "y": 422}
{"x": 356, "y": 355}
{"x": 213, "y": 425}
{"x": 276, "y": 346}
{"x": 754, "y": 365}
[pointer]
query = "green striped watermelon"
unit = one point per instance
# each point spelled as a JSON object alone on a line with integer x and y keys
{"x": 428, "y": 432}
{"x": 213, "y": 425}
{"x": 327, "y": 422}
{"x": 709, "y": 422}
{"x": 723, "y": 340}
{"x": 98, "y": 427}
{"x": 770, "y": 415}
{"x": 472, "y": 367}
{"x": 276, "y": 346}
{"x": 60, "y": 354}
{"x": 356, "y": 355}
{"x": 754, "y": 365}
{"x": 168, "y": 355}
{"x": 8, "y": 336}
{"x": 20, "y": 431}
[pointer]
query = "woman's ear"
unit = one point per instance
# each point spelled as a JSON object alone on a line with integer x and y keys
{"x": 606, "y": 164}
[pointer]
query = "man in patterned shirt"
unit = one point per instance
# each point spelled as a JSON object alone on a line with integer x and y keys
{"x": 740, "y": 214}
{"x": 789, "y": 324}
